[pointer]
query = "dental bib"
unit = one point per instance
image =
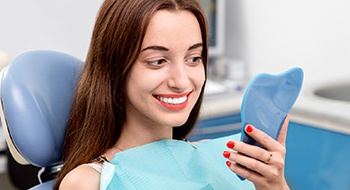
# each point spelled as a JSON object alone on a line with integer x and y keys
{"x": 172, "y": 164}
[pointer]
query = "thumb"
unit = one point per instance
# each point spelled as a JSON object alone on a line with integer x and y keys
{"x": 283, "y": 133}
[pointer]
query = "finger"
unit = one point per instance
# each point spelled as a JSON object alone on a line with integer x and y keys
{"x": 283, "y": 133}
{"x": 244, "y": 172}
{"x": 261, "y": 137}
{"x": 249, "y": 151}
{"x": 248, "y": 162}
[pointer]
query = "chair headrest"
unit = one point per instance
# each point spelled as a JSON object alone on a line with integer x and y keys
{"x": 37, "y": 89}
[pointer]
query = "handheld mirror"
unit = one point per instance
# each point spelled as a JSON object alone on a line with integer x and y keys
{"x": 268, "y": 100}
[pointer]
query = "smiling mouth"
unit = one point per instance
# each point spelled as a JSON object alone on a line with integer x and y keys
{"x": 173, "y": 101}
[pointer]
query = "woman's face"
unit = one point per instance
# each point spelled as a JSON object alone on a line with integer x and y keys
{"x": 166, "y": 80}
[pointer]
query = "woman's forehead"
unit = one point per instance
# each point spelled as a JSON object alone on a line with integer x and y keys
{"x": 172, "y": 27}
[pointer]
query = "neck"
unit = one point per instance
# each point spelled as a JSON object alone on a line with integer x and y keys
{"x": 134, "y": 135}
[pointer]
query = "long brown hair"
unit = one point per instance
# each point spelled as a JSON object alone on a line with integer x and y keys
{"x": 98, "y": 113}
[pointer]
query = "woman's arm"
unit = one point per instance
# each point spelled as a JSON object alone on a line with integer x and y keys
{"x": 266, "y": 167}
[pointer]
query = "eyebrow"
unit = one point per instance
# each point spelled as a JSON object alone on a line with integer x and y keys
{"x": 195, "y": 46}
{"x": 162, "y": 48}
{"x": 155, "y": 47}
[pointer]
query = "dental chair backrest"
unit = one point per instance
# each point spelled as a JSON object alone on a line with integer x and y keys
{"x": 36, "y": 91}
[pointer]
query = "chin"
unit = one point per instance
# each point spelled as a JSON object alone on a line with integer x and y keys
{"x": 179, "y": 123}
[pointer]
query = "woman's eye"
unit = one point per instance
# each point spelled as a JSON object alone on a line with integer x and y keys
{"x": 195, "y": 60}
{"x": 156, "y": 63}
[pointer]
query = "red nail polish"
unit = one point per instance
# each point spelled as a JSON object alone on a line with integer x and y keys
{"x": 249, "y": 129}
{"x": 228, "y": 163}
{"x": 226, "y": 154}
{"x": 230, "y": 144}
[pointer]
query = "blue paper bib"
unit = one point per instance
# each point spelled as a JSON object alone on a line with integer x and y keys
{"x": 172, "y": 164}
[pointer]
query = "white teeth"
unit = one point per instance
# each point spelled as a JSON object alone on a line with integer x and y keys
{"x": 173, "y": 100}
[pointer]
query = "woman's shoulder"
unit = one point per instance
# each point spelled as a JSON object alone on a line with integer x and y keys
{"x": 84, "y": 176}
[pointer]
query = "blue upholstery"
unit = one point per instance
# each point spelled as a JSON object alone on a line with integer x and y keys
{"x": 37, "y": 89}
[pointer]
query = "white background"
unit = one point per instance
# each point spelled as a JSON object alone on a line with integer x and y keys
{"x": 64, "y": 25}
{"x": 312, "y": 34}
{"x": 269, "y": 36}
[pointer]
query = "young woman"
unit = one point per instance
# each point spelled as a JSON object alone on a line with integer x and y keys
{"x": 143, "y": 83}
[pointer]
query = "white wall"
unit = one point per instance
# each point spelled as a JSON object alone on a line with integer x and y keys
{"x": 63, "y": 25}
{"x": 312, "y": 34}
{"x": 269, "y": 35}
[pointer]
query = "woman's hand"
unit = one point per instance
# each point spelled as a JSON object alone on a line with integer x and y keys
{"x": 265, "y": 168}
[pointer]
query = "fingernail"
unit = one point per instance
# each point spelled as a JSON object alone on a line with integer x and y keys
{"x": 226, "y": 154}
{"x": 249, "y": 129}
{"x": 230, "y": 144}
{"x": 228, "y": 163}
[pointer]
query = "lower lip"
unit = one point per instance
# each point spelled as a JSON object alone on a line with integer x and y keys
{"x": 174, "y": 107}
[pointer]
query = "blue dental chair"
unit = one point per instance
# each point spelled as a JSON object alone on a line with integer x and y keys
{"x": 36, "y": 91}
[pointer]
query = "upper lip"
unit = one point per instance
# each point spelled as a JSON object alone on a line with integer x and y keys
{"x": 173, "y": 95}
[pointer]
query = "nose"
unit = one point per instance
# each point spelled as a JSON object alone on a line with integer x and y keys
{"x": 178, "y": 77}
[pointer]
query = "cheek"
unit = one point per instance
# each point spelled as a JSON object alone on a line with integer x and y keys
{"x": 199, "y": 76}
{"x": 144, "y": 81}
